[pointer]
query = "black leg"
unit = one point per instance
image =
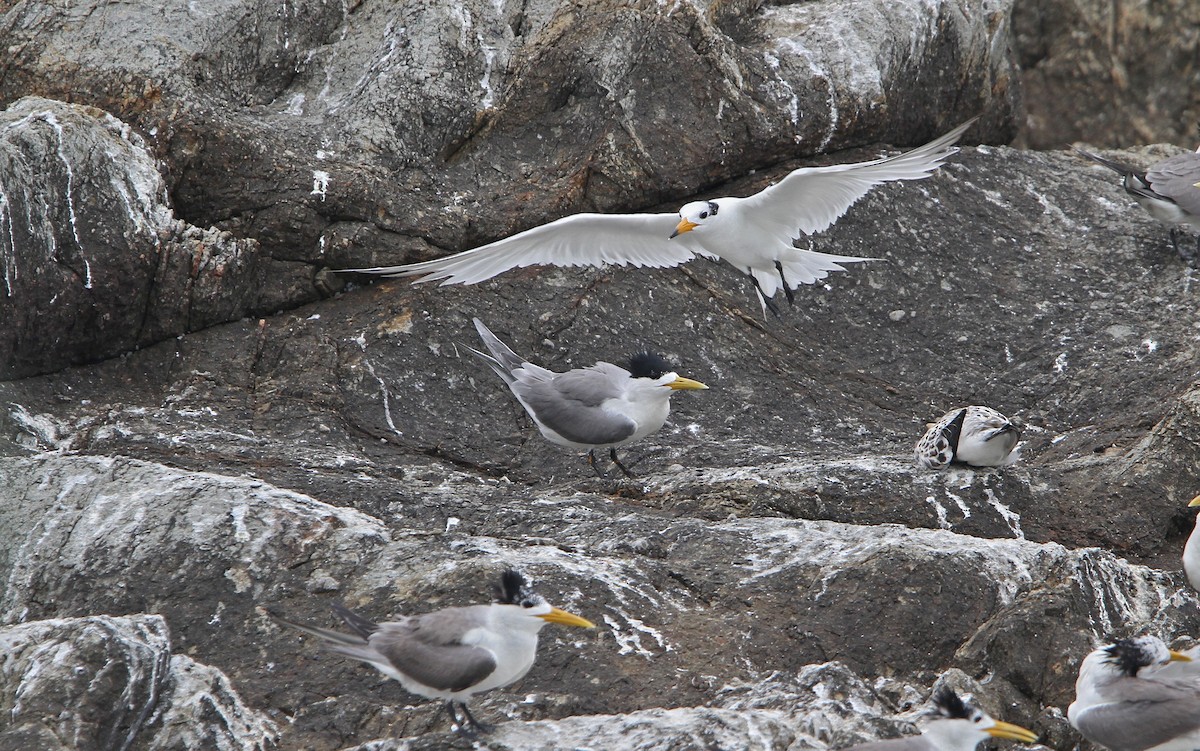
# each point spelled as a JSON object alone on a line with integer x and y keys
{"x": 613, "y": 454}
{"x": 475, "y": 725}
{"x": 791, "y": 296}
{"x": 766, "y": 300}
{"x": 595, "y": 468}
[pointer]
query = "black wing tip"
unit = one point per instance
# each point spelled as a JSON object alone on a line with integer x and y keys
{"x": 512, "y": 586}
{"x": 647, "y": 364}
{"x": 949, "y": 704}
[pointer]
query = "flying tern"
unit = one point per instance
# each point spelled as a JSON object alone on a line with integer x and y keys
{"x": 755, "y": 233}
{"x": 602, "y": 406}
{"x": 975, "y": 435}
{"x": 954, "y": 726}
{"x": 1168, "y": 190}
{"x": 1126, "y": 700}
{"x": 453, "y": 653}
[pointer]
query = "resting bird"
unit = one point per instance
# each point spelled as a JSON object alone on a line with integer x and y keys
{"x": 1125, "y": 701}
{"x": 954, "y": 726}
{"x": 1168, "y": 190}
{"x": 452, "y": 653}
{"x": 602, "y": 406}
{"x": 755, "y": 234}
{"x": 975, "y": 435}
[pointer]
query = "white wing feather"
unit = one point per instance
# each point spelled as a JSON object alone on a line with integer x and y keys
{"x": 813, "y": 198}
{"x": 576, "y": 240}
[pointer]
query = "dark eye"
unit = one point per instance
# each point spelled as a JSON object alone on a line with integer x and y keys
{"x": 703, "y": 214}
{"x": 527, "y": 603}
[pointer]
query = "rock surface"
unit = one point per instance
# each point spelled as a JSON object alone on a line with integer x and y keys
{"x": 779, "y": 576}
{"x": 101, "y": 682}
{"x": 1114, "y": 74}
{"x": 94, "y": 264}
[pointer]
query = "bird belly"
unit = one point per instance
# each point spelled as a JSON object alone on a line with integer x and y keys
{"x": 1167, "y": 212}
{"x": 514, "y": 653}
{"x": 1191, "y": 558}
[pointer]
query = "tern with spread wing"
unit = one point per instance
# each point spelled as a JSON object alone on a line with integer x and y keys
{"x": 954, "y": 725}
{"x": 1168, "y": 191}
{"x": 1126, "y": 700}
{"x": 755, "y": 234}
{"x": 602, "y": 406}
{"x": 453, "y": 653}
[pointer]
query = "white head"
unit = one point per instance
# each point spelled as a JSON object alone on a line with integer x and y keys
{"x": 958, "y": 726}
{"x": 695, "y": 215}
{"x": 522, "y": 608}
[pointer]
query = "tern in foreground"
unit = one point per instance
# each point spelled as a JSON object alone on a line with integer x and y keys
{"x": 975, "y": 435}
{"x": 1191, "y": 551}
{"x": 453, "y": 653}
{"x": 1168, "y": 190}
{"x": 954, "y": 726}
{"x": 603, "y": 406}
{"x": 755, "y": 234}
{"x": 1126, "y": 700}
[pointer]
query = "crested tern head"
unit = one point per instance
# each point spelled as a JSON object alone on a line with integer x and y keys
{"x": 1126, "y": 701}
{"x": 602, "y": 406}
{"x": 452, "y": 653}
{"x": 1191, "y": 551}
{"x": 1168, "y": 191}
{"x": 754, "y": 233}
{"x": 952, "y": 725}
{"x": 974, "y": 435}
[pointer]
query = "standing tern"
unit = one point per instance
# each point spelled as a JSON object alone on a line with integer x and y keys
{"x": 975, "y": 435}
{"x": 755, "y": 234}
{"x": 1126, "y": 701}
{"x": 1191, "y": 551}
{"x": 1168, "y": 190}
{"x": 602, "y": 406}
{"x": 955, "y": 726}
{"x": 453, "y": 653}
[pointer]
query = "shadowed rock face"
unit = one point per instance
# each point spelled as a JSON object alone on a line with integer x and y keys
{"x": 780, "y": 576}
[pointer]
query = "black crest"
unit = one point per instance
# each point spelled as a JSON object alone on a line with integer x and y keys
{"x": 1129, "y": 655}
{"x": 512, "y": 587}
{"x": 949, "y": 704}
{"x": 712, "y": 208}
{"x": 649, "y": 365}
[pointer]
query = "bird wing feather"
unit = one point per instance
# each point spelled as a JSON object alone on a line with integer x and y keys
{"x": 1176, "y": 179}
{"x": 569, "y": 404}
{"x": 429, "y": 648}
{"x": 576, "y": 240}
{"x": 813, "y": 198}
{"x": 1139, "y": 725}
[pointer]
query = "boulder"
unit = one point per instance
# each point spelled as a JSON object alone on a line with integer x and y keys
{"x": 94, "y": 263}
{"x": 103, "y": 682}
